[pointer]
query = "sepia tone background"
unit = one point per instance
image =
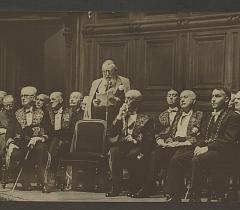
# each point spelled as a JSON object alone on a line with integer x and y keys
{"x": 157, "y": 51}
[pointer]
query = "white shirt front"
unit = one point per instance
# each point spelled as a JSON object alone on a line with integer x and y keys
{"x": 29, "y": 116}
{"x": 172, "y": 114}
{"x": 183, "y": 124}
{"x": 58, "y": 120}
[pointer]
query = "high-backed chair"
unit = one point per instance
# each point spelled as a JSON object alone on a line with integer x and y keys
{"x": 88, "y": 149}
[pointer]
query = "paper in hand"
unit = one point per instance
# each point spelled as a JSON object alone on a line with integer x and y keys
{"x": 103, "y": 98}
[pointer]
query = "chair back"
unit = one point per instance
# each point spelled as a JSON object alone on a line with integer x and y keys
{"x": 90, "y": 136}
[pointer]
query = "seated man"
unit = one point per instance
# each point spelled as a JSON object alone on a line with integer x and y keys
{"x": 61, "y": 120}
{"x": 42, "y": 101}
{"x": 75, "y": 101}
{"x": 132, "y": 138}
{"x": 2, "y": 94}
{"x": 182, "y": 137}
{"x": 5, "y": 116}
{"x": 28, "y": 131}
{"x": 166, "y": 118}
{"x": 216, "y": 145}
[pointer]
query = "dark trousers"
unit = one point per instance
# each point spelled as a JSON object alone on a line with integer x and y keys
{"x": 200, "y": 166}
{"x": 38, "y": 155}
{"x": 159, "y": 159}
{"x": 57, "y": 149}
{"x": 126, "y": 155}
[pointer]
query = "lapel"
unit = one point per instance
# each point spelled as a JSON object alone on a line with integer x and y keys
{"x": 164, "y": 118}
{"x": 194, "y": 122}
{"x": 118, "y": 83}
{"x": 175, "y": 122}
{"x": 141, "y": 120}
{"x": 37, "y": 115}
{"x": 66, "y": 117}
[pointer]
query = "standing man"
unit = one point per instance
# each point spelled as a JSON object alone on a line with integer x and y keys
{"x": 216, "y": 145}
{"x": 132, "y": 139}
{"x": 110, "y": 84}
{"x": 182, "y": 137}
{"x": 29, "y": 130}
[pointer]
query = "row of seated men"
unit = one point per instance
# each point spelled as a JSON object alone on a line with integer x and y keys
{"x": 182, "y": 139}
{"x": 42, "y": 124}
{"x": 179, "y": 140}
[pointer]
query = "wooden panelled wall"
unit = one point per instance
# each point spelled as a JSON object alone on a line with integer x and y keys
{"x": 160, "y": 51}
{"x": 157, "y": 51}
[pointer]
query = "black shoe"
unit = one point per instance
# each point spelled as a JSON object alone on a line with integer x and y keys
{"x": 27, "y": 187}
{"x": 45, "y": 189}
{"x": 113, "y": 193}
{"x": 142, "y": 193}
{"x": 173, "y": 199}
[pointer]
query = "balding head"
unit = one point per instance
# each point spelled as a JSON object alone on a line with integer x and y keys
{"x": 75, "y": 98}
{"x": 133, "y": 98}
{"x": 187, "y": 99}
{"x": 109, "y": 69}
{"x": 8, "y": 102}
{"x": 28, "y": 95}
{"x": 56, "y": 98}
{"x": 41, "y": 100}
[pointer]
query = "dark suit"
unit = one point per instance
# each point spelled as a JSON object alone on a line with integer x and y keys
{"x": 21, "y": 133}
{"x": 128, "y": 154}
{"x": 61, "y": 139}
{"x": 160, "y": 157}
{"x": 220, "y": 137}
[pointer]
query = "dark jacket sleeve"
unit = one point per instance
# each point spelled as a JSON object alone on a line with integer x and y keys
{"x": 116, "y": 127}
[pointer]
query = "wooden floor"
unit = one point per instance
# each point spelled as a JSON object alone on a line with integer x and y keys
{"x": 68, "y": 196}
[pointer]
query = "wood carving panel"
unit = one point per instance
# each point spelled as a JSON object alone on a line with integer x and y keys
{"x": 208, "y": 60}
{"x": 117, "y": 50}
{"x": 160, "y": 63}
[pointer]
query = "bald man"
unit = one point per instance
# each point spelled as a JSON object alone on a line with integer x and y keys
{"x": 75, "y": 102}
{"x": 131, "y": 139}
{"x": 116, "y": 85}
{"x": 29, "y": 130}
{"x": 182, "y": 136}
{"x": 62, "y": 123}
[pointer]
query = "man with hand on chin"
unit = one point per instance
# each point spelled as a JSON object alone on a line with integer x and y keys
{"x": 216, "y": 145}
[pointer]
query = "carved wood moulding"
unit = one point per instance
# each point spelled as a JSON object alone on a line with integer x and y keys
{"x": 158, "y": 23}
